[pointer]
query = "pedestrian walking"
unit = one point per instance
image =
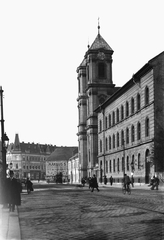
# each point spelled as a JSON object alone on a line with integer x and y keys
{"x": 94, "y": 183}
{"x": 83, "y": 182}
{"x": 155, "y": 183}
{"x": 111, "y": 180}
{"x": 29, "y": 186}
{"x": 126, "y": 181}
{"x": 90, "y": 182}
{"x": 13, "y": 191}
{"x": 105, "y": 180}
{"x": 132, "y": 181}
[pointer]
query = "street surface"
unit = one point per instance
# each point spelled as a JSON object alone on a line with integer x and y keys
{"x": 68, "y": 213}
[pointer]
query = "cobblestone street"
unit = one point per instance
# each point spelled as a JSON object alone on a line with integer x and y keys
{"x": 67, "y": 214}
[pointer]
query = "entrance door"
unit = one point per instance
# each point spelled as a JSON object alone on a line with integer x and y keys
{"x": 147, "y": 166}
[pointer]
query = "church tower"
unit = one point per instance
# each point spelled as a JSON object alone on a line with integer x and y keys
{"x": 95, "y": 85}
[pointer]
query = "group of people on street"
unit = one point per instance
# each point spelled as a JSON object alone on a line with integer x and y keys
{"x": 126, "y": 181}
{"x": 93, "y": 183}
{"x": 154, "y": 183}
{"x": 12, "y": 188}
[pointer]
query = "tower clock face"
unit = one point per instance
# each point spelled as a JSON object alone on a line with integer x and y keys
{"x": 101, "y": 55}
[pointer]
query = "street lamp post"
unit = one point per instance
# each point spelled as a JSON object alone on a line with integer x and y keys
{"x": 4, "y": 138}
{"x": 4, "y": 145}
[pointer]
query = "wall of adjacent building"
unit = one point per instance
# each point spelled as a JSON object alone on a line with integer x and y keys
{"x": 108, "y": 156}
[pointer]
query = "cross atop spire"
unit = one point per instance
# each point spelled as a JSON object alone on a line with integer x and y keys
{"x": 98, "y": 26}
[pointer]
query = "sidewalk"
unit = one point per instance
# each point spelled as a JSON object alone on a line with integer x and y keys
{"x": 136, "y": 186}
{"x": 9, "y": 224}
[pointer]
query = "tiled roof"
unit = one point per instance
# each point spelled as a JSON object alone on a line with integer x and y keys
{"x": 62, "y": 153}
{"x": 100, "y": 43}
{"x": 32, "y": 148}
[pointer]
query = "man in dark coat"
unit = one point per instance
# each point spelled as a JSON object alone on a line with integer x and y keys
{"x": 105, "y": 180}
{"x": 126, "y": 181}
{"x": 111, "y": 180}
{"x": 13, "y": 192}
{"x": 29, "y": 185}
{"x": 94, "y": 183}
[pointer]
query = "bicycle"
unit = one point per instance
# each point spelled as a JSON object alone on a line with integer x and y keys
{"x": 124, "y": 189}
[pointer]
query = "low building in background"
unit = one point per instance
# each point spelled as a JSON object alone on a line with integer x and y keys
{"x": 74, "y": 169}
{"x": 57, "y": 164}
{"x": 28, "y": 159}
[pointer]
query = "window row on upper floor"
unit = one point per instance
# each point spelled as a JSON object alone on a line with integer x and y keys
{"x": 33, "y": 167}
{"x": 34, "y": 158}
{"x": 118, "y": 139}
{"x": 112, "y": 166}
{"x": 125, "y": 111}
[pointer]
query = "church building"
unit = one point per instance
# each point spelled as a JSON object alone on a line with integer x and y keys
{"x": 120, "y": 129}
{"x": 95, "y": 85}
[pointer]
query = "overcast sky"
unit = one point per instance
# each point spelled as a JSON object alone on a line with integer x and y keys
{"x": 43, "y": 42}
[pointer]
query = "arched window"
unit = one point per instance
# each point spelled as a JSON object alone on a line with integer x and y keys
{"x": 100, "y": 146}
{"x": 139, "y": 161}
{"x": 100, "y": 125}
{"x": 127, "y": 109}
{"x": 138, "y": 131}
{"x": 132, "y": 105}
{"x": 118, "y": 165}
{"x": 109, "y": 142}
{"x": 132, "y": 164}
{"x": 109, "y": 120}
{"x": 117, "y": 112}
{"x": 132, "y": 133}
{"x": 110, "y": 166}
{"x": 106, "y": 122}
{"x": 101, "y": 70}
{"x": 114, "y": 166}
{"x": 127, "y": 135}
{"x": 106, "y": 144}
{"x": 122, "y": 112}
{"x": 122, "y": 138}
{"x": 146, "y": 95}
{"x": 138, "y": 102}
{"x": 127, "y": 163}
{"x": 113, "y": 118}
{"x": 113, "y": 141}
{"x": 118, "y": 139}
{"x": 147, "y": 127}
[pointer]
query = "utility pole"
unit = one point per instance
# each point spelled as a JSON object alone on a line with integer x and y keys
{"x": 4, "y": 138}
{"x": 3, "y": 153}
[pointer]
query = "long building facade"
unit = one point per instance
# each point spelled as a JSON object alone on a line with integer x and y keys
{"x": 121, "y": 129}
{"x": 95, "y": 85}
{"x": 131, "y": 126}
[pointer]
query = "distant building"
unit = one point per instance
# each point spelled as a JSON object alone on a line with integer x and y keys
{"x": 28, "y": 159}
{"x": 74, "y": 169}
{"x": 57, "y": 163}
